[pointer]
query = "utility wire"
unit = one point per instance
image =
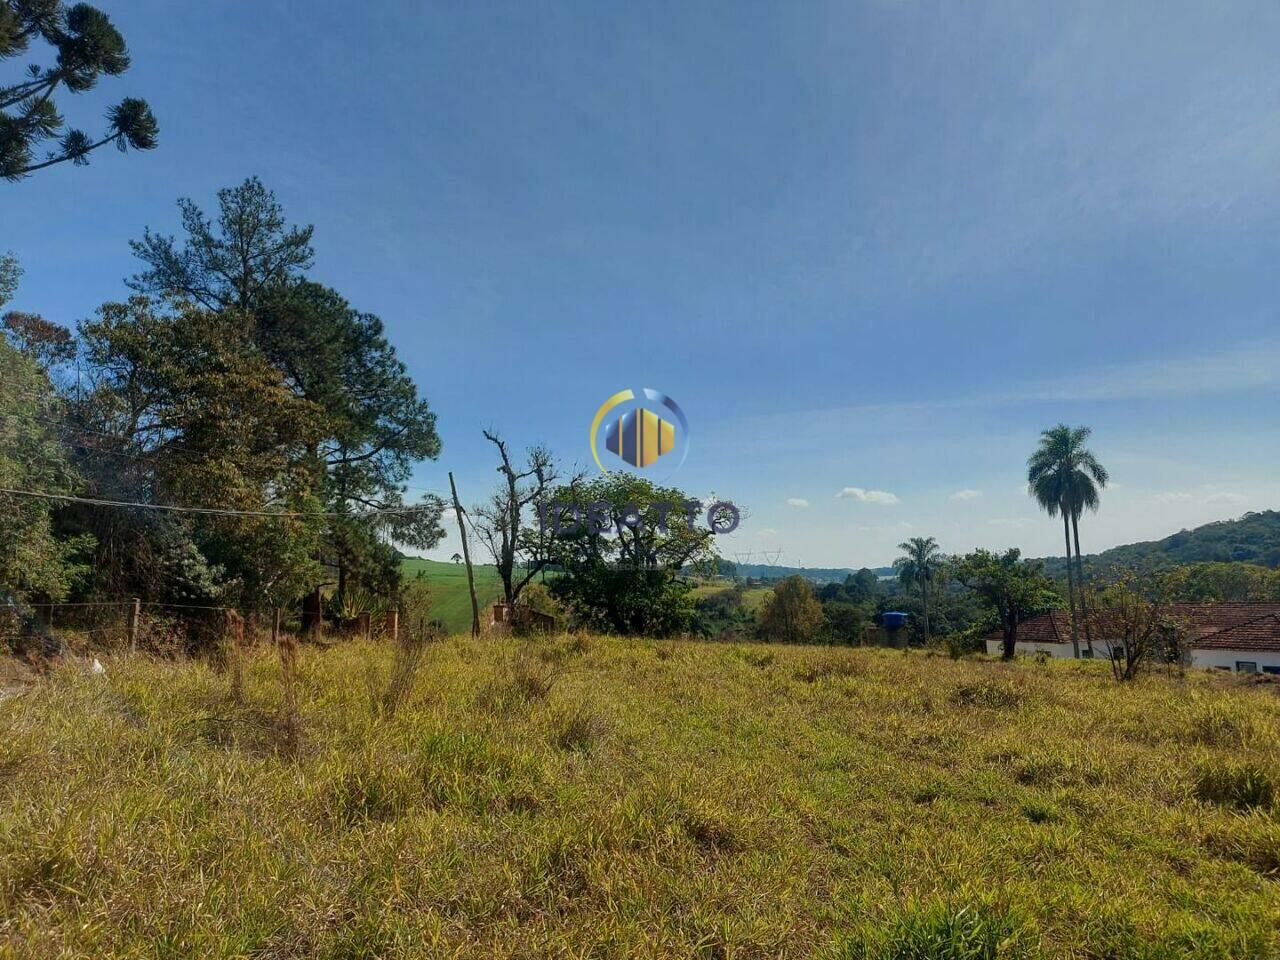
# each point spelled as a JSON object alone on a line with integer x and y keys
{"x": 215, "y": 511}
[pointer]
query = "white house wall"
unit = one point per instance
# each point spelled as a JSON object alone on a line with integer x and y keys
{"x": 1209, "y": 659}
{"x": 1229, "y": 658}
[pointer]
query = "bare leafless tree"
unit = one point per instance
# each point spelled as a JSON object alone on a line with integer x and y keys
{"x": 500, "y": 522}
{"x": 1136, "y": 629}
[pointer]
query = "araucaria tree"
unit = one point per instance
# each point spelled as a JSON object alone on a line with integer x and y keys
{"x": 86, "y": 46}
{"x": 1065, "y": 478}
{"x": 921, "y": 565}
{"x": 500, "y": 522}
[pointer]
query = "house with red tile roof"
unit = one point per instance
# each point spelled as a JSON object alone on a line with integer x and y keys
{"x": 1244, "y": 637}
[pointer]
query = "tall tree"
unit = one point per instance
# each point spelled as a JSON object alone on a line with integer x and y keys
{"x": 373, "y": 426}
{"x": 791, "y": 613}
{"x": 34, "y": 560}
{"x": 1013, "y": 589}
{"x": 920, "y": 565}
{"x": 182, "y": 408}
{"x": 1064, "y": 476}
{"x": 87, "y": 46}
{"x": 500, "y": 522}
{"x": 10, "y": 274}
{"x": 249, "y": 253}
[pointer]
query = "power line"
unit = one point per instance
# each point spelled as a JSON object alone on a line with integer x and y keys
{"x": 214, "y": 511}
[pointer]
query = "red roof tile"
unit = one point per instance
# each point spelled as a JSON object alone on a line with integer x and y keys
{"x": 1214, "y": 626}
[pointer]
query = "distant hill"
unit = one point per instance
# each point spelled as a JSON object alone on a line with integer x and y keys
{"x": 1253, "y": 538}
{"x": 768, "y": 571}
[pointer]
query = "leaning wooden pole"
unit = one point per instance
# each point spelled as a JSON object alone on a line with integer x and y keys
{"x": 466, "y": 558}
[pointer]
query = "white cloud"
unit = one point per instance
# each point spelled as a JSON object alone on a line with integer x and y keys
{"x": 1206, "y": 497}
{"x": 767, "y": 532}
{"x": 1233, "y": 498}
{"x": 797, "y": 502}
{"x": 966, "y": 495}
{"x": 868, "y": 496}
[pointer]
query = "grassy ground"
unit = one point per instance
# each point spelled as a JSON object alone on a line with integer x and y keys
{"x": 450, "y": 600}
{"x": 590, "y": 797}
{"x": 752, "y": 597}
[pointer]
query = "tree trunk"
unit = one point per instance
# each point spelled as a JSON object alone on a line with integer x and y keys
{"x": 466, "y": 558}
{"x": 1084, "y": 598}
{"x": 312, "y": 611}
{"x": 1071, "y": 588}
{"x": 1010, "y": 642}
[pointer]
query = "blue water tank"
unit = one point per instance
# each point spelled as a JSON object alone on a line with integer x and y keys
{"x": 893, "y": 620}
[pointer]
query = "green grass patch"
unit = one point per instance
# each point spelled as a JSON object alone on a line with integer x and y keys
{"x": 450, "y": 599}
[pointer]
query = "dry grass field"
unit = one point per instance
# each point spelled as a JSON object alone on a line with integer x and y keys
{"x": 583, "y": 797}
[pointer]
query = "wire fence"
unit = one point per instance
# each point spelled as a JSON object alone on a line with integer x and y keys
{"x": 161, "y": 626}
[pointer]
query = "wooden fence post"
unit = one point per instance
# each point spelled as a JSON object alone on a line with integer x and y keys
{"x": 393, "y": 625}
{"x": 133, "y": 618}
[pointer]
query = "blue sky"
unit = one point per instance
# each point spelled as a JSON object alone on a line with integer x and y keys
{"x": 870, "y": 248}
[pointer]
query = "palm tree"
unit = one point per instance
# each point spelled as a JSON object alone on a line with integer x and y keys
{"x": 1064, "y": 476}
{"x": 922, "y": 562}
